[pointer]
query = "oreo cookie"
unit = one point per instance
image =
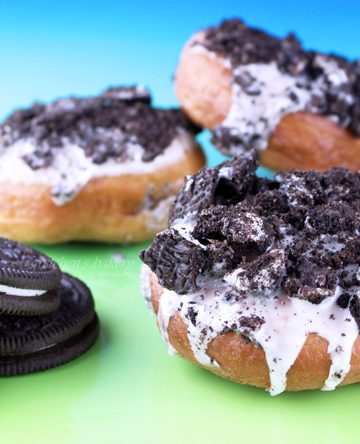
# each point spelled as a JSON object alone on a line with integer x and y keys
{"x": 29, "y": 344}
{"x": 28, "y": 280}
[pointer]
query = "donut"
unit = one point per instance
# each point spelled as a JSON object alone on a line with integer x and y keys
{"x": 102, "y": 168}
{"x": 257, "y": 280}
{"x": 299, "y": 108}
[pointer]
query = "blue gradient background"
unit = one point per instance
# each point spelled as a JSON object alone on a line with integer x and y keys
{"x": 51, "y": 49}
{"x": 127, "y": 390}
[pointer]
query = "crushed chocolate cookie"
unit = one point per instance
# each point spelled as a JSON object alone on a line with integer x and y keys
{"x": 266, "y": 68}
{"x": 251, "y": 322}
{"x": 228, "y": 182}
{"x": 109, "y": 126}
{"x": 243, "y": 230}
{"x": 259, "y": 276}
{"x": 355, "y": 308}
{"x": 295, "y": 235}
{"x": 171, "y": 247}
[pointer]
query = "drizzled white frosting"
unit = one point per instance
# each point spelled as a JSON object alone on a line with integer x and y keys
{"x": 286, "y": 323}
{"x": 268, "y": 94}
{"x": 168, "y": 306}
{"x": 158, "y": 214}
{"x": 145, "y": 286}
{"x": 260, "y": 114}
{"x": 71, "y": 169}
{"x": 14, "y": 291}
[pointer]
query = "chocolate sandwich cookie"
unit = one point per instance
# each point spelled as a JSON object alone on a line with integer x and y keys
{"x": 30, "y": 344}
{"x": 28, "y": 280}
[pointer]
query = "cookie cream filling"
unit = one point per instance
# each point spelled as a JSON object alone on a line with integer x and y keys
{"x": 71, "y": 169}
{"x": 14, "y": 291}
{"x": 280, "y": 325}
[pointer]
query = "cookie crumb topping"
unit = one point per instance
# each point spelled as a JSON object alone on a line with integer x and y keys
{"x": 295, "y": 235}
{"x": 106, "y": 127}
{"x": 67, "y": 143}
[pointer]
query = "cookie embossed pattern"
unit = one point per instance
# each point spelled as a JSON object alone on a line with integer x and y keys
{"x": 274, "y": 262}
{"x": 47, "y": 317}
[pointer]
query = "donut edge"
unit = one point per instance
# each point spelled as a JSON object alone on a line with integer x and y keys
{"x": 309, "y": 371}
{"x": 107, "y": 209}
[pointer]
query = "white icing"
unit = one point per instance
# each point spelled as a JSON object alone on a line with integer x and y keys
{"x": 257, "y": 227}
{"x": 330, "y": 243}
{"x": 295, "y": 188}
{"x": 259, "y": 114}
{"x": 14, "y": 291}
{"x": 270, "y": 94}
{"x": 168, "y": 306}
{"x": 127, "y": 93}
{"x": 225, "y": 173}
{"x": 287, "y": 323}
{"x": 185, "y": 228}
{"x": 71, "y": 169}
{"x": 145, "y": 286}
{"x": 197, "y": 48}
{"x": 158, "y": 214}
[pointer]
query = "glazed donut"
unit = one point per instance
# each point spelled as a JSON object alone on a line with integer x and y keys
{"x": 300, "y": 108}
{"x": 99, "y": 169}
{"x": 257, "y": 280}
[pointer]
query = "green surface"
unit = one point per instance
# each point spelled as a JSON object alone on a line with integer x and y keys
{"x": 128, "y": 390}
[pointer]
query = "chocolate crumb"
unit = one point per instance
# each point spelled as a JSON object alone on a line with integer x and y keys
{"x": 253, "y": 323}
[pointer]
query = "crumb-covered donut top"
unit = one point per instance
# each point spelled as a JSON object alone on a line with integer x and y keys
{"x": 273, "y": 77}
{"x": 105, "y": 127}
{"x": 273, "y": 260}
{"x": 297, "y": 234}
{"x": 74, "y": 139}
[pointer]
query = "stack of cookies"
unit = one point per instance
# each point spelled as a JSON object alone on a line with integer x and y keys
{"x": 47, "y": 317}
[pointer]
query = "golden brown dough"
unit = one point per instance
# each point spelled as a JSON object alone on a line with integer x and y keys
{"x": 244, "y": 362}
{"x": 110, "y": 209}
{"x": 301, "y": 140}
